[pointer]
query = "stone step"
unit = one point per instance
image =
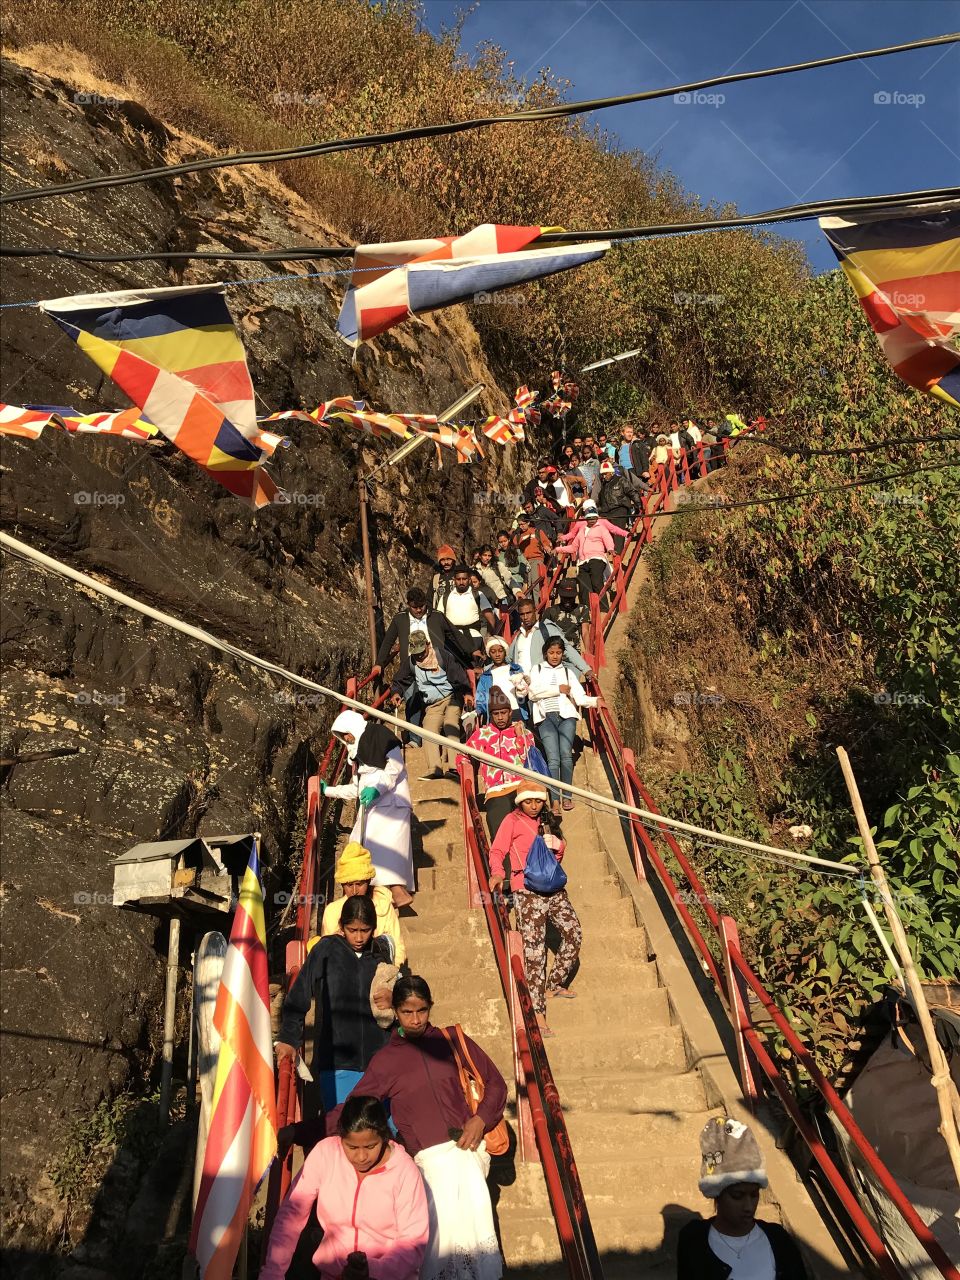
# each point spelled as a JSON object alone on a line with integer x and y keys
{"x": 603, "y": 1007}
{"x": 630, "y": 1092}
{"x": 571, "y": 1053}
{"x": 613, "y": 952}
{"x": 596, "y": 975}
{"x": 595, "y": 1134}
{"x": 530, "y": 1237}
{"x": 622, "y": 1184}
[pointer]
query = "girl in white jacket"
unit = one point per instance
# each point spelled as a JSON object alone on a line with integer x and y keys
{"x": 556, "y": 696}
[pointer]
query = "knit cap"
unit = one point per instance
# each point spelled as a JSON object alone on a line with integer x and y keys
{"x": 606, "y": 467}
{"x": 498, "y": 700}
{"x": 729, "y": 1154}
{"x": 497, "y": 642}
{"x": 355, "y": 863}
{"x": 446, "y": 552}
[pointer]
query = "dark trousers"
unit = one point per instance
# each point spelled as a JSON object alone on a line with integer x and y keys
{"x": 591, "y": 576}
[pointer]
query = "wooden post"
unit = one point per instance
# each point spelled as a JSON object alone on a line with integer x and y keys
{"x": 941, "y": 1072}
{"x": 169, "y": 1019}
{"x": 367, "y": 566}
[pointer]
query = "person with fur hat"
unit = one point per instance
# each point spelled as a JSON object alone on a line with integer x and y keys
{"x": 734, "y": 1244}
{"x": 591, "y": 541}
{"x": 511, "y": 742}
{"x": 516, "y": 834}
{"x": 506, "y": 676}
{"x": 354, "y": 874}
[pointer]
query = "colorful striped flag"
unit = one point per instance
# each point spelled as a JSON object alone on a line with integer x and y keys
{"x": 242, "y": 1138}
{"x": 906, "y": 273}
{"x": 27, "y": 423}
{"x": 129, "y": 424}
{"x": 176, "y": 354}
{"x": 394, "y": 281}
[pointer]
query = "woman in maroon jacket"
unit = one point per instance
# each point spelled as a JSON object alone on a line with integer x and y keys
{"x": 417, "y": 1073}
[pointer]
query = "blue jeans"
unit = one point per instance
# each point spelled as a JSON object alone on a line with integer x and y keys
{"x": 557, "y": 735}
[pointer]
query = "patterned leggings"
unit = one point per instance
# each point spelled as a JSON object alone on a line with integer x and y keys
{"x": 533, "y": 911}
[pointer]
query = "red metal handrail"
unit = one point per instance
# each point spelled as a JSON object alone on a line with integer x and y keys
{"x": 565, "y": 1192}
{"x": 607, "y": 737}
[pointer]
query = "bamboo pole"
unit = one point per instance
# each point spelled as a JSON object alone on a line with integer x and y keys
{"x": 940, "y": 1078}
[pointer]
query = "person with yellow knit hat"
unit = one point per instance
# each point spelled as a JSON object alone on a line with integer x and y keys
{"x": 354, "y": 874}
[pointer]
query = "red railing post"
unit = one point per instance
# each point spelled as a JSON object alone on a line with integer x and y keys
{"x": 739, "y": 1011}
{"x": 526, "y": 1139}
{"x": 629, "y": 762}
{"x": 465, "y": 766}
{"x": 596, "y": 632}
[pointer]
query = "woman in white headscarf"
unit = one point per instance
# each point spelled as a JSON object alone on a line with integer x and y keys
{"x": 379, "y": 784}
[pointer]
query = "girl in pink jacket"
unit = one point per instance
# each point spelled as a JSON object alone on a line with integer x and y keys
{"x": 369, "y": 1196}
{"x": 591, "y": 541}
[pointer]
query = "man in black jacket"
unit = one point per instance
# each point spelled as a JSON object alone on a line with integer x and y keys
{"x": 416, "y": 617}
{"x": 616, "y": 499}
{"x": 435, "y": 689}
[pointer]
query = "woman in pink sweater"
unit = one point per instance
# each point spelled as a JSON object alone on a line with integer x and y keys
{"x": 591, "y": 541}
{"x": 369, "y": 1196}
{"x": 516, "y": 834}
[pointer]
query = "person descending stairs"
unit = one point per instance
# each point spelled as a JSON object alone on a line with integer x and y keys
{"x": 633, "y": 1109}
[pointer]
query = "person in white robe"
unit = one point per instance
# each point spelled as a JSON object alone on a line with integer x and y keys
{"x": 380, "y": 786}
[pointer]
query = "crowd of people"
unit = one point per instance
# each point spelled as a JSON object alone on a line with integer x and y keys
{"x": 407, "y": 1113}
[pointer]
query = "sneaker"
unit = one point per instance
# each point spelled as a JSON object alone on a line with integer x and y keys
{"x": 567, "y": 802}
{"x": 433, "y": 776}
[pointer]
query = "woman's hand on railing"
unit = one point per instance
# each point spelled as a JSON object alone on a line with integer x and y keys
{"x": 284, "y": 1050}
{"x": 496, "y": 883}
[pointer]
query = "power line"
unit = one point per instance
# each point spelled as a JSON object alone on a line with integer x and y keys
{"x": 365, "y": 141}
{"x": 901, "y": 200}
{"x": 720, "y": 505}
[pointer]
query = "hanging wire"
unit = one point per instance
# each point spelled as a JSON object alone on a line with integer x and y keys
{"x": 934, "y": 198}
{"x": 365, "y": 141}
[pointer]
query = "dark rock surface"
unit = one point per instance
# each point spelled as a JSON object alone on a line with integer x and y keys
{"x": 165, "y": 740}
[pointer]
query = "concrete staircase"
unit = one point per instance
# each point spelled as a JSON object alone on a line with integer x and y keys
{"x": 633, "y": 1109}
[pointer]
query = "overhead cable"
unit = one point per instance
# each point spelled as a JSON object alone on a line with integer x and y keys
{"x": 26, "y": 552}
{"x": 534, "y": 114}
{"x": 901, "y": 200}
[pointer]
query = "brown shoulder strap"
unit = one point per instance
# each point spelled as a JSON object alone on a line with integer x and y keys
{"x": 470, "y": 1063}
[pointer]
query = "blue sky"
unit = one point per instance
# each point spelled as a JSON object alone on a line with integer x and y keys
{"x": 811, "y": 135}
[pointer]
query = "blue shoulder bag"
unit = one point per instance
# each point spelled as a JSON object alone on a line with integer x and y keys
{"x": 543, "y": 873}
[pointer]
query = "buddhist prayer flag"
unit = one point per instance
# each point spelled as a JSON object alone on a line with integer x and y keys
{"x": 906, "y": 273}
{"x": 394, "y": 281}
{"x": 29, "y": 421}
{"x": 176, "y": 354}
{"x": 242, "y": 1138}
{"x": 129, "y": 424}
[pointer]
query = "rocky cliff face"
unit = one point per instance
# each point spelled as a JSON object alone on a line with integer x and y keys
{"x": 158, "y": 738}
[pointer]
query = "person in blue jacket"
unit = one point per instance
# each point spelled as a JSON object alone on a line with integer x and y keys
{"x": 508, "y": 677}
{"x": 526, "y": 648}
